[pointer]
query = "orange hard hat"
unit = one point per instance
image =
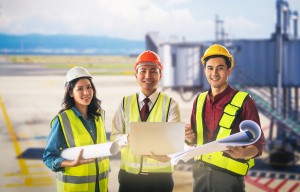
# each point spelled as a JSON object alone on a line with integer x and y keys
{"x": 148, "y": 58}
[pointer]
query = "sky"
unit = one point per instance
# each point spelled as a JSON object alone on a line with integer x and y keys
{"x": 192, "y": 20}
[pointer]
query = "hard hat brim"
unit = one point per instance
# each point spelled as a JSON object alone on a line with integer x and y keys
{"x": 208, "y": 55}
{"x": 148, "y": 63}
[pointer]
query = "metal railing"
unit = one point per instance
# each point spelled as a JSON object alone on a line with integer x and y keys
{"x": 263, "y": 97}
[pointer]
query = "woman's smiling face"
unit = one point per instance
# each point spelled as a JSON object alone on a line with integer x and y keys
{"x": 82, "y": 92}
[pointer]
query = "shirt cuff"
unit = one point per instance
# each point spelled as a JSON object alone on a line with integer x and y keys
{"x": 56, "y": 164}
{"x": 188, "y": 143}
{"x": 122, "y": 140}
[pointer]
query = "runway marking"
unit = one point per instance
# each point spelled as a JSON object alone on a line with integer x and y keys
{"x": 273, "y": 175}
{"x": 281, "y": 184}
{"x": 294, "y": 187}
{"x": 273, "y": 184}
{"x": 29, "y": 180}
{"x": 13, "y": 136}
{"x": 32, "y": 173}
{"x": 33, "y": 181}
{"x": 270, "y": 181}
{"x": 40, "y": 165}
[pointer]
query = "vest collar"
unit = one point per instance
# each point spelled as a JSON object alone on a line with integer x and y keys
{"x": 218, "y": 97}
{"x": 152, "y": 97}
{"x": 78, "y": 114}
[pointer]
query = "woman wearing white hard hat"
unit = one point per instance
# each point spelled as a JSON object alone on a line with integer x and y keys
{"x": 78, "y": 123}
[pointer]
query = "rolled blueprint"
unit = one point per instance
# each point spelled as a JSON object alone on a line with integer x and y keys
{"x": 249, "y": 133}
{"x": 92, "y": 151}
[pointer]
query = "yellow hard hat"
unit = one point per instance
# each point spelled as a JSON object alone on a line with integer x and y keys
{"x": 217, "y": 49}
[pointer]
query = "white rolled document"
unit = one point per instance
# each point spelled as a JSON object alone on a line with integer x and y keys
{"x": 249, "y": 133}
{"x": 92, "y": 151}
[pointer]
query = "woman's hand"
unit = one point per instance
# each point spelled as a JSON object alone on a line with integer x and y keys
{"x": 78, "y": 161}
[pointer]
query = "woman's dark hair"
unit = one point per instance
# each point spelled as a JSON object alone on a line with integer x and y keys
{"x": 94, "y": 108}
{"x": 227, "y": 60}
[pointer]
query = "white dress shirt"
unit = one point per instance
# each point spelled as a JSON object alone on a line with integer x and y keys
{"x": 118, "y": 124}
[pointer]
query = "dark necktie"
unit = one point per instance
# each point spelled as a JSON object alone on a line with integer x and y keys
{"x": 145, "y": 109}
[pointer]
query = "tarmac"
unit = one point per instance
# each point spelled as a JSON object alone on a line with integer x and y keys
{"x": 29, "y": 102}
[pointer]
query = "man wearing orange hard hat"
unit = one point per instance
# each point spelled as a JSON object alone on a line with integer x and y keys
{"x": 216, "y": 114}
{"x": 144, "y": 173}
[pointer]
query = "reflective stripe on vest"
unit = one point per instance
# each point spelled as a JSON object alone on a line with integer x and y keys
{"x": 81, "y": 179}
{"x": 159, "y": 113}
{"x": 229, "y": 115}
{"x": 84, "y": 176}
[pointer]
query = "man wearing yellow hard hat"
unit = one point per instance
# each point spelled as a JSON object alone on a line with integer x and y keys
{"x": 141, "y": 173}
{"x": 217, "y": 113}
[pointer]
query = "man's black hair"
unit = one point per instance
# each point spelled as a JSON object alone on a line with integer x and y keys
{"x": 227, "y": 60}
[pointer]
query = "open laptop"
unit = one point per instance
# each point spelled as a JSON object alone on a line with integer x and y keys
{"x": 162, "y": 138}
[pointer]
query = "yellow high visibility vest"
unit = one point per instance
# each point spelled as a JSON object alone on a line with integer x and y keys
{"x": 82, "y": 177}
{"x": 159, "y": 113}
{"x": 229, "y": 115}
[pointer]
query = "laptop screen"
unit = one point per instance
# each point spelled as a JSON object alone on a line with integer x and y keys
{"x": 161, "y": 138}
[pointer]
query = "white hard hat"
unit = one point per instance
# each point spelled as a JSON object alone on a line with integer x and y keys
{"x": 77, "y": 72}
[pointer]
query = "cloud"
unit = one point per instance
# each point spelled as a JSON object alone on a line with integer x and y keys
{"x": 240, "y": 24}
{"x": 132, "y": 19}
{"x": 176, "y": 2}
